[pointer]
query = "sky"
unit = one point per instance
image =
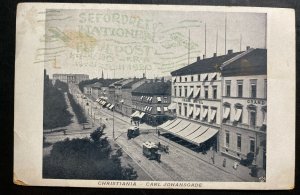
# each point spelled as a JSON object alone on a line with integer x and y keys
{"x": 128, "y": 43}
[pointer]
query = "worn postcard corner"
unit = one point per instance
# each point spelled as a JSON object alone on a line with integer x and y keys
{"x": 148, "y": 96}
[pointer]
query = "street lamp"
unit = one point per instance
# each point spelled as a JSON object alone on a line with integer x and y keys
{"x": 113, "y": 110}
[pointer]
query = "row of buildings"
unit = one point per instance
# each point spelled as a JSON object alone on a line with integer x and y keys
{"x": 222, "y": 100}
{"x": 146, "y": 100}
{"x": 219, "y": 101}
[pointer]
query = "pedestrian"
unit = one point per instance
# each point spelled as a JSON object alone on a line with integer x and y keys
{"x": 213, "y": 157}
{"x": 235, "y": 165}
{"x": 131, "y": 121}
{"x": 224, "y": 162}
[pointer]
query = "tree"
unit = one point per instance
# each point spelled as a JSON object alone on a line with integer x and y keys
{"x": 87, "y": 158}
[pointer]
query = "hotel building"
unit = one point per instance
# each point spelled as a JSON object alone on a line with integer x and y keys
{"x": 244, "y": 102}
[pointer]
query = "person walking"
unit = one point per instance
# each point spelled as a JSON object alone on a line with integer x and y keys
{"x": 224, "y": 162}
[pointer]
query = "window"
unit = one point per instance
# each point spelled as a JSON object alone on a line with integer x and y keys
{"x": 180, "y": 79}
{"x": 227, "y": 138}
{"x": 252, "y": 122}
{"x": 239, "y": 142}
{"x": 265, "y": 88}
{"x": 179, "y": 109}
{"x": 214, "y": 92}
{"x": 185, "y": 79}
{"x": 253, "y": 88}
{"x": 252, "y": 145}
{"x": 166, "y": 100}
{"x": 228, "y": 88}
{"x": 240, "y": 88}
{"x": 192, "y": 78}
{"x": 185, "y": 110}
{"x": 206, "y": 92}
{"x": 191, "y": 94}
{"x": 175, "y": 94}
{"x": 185, "y": 92}
{"x": 180, "y": 91}
{"x": 198, "y": 77}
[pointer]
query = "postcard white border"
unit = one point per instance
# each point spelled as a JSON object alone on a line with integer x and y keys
{"x": 281, "y": 97}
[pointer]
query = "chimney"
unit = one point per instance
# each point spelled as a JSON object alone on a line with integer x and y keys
{"x": 203, "y": 56}
{"x": 198, "y": 58}
{"x": 230, "y": 51}
{"x": 247, "y": 48}
{"x": 215, "y": 54}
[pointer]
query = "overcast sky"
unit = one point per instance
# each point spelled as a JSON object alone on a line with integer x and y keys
{"x": 129, "y": 43}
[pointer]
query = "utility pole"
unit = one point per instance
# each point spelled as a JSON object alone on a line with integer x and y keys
{"x": 189, "y": 48}
{"x": 114, "y": 118}
{"x": 205, "y": 39}
{"x": 225, "y": 32}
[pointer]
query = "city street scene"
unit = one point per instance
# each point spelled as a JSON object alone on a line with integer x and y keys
{"x": 155, "y": 95}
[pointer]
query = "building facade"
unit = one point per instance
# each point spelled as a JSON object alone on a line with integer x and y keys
{"x": 70, "y": 78}
{"x": 244, "y": 102}
{"x": 196, "y": 97}
{"x": 151, "y": 100}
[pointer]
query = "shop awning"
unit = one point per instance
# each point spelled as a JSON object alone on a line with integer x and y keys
{"x": 197, "y": 112}
{"x": 158, "y": 109}
{"x": 165, "y": 109}
{"x": 135, "y": 114}
{"x": 111, "y": 107}
{"x": 146, "y": 108}
{"x": 166, "y": 124}
{"x": 238, "y": 115}
{"x": 142, "y": 97}
{"x": 226, "y": 113}
{"x": 213, "y": 115}
{"x": 180, "y": 127}
{"x": 158, "y": 99}
{"x": 175, "y": 123}
{"x": 265, "y": 120}
{"x": 142, "y": 114}
{"x": 150, "y": 99}
{"x": 191, "y": 111}
{"x": 191, "y": 92}
{"x": 172, "y": 106}
{"x": 213, "y": 76}
{"x": 206, "y": 136}
{"x": 197, "y": 133}
{"x": 149, "y": 109}
{"x": 189, "y": 130}
{"x": 197, "y": 92}
{"x": 108, "y": 105}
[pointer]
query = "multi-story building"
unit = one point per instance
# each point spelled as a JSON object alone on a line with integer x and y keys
{"x": 244, "y": 102}
{"x": 70, "y": 78}
{"x": 126, "y": 94}
{"x": 196, "y": 98}
{"x": 120, "y": 94}
{"x": 151, "y": 100}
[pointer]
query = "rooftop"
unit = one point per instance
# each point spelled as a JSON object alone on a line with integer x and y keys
{"x": 206, "y": 65}
{"x": 129, "y": 85}
{"x": 252, "y": 63}
{"x": 153, "y": 88}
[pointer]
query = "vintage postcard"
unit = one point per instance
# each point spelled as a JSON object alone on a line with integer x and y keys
{"x": 154, "y": 96}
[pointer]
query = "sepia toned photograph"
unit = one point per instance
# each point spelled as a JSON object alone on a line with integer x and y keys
{"x": 154, "y": 95}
